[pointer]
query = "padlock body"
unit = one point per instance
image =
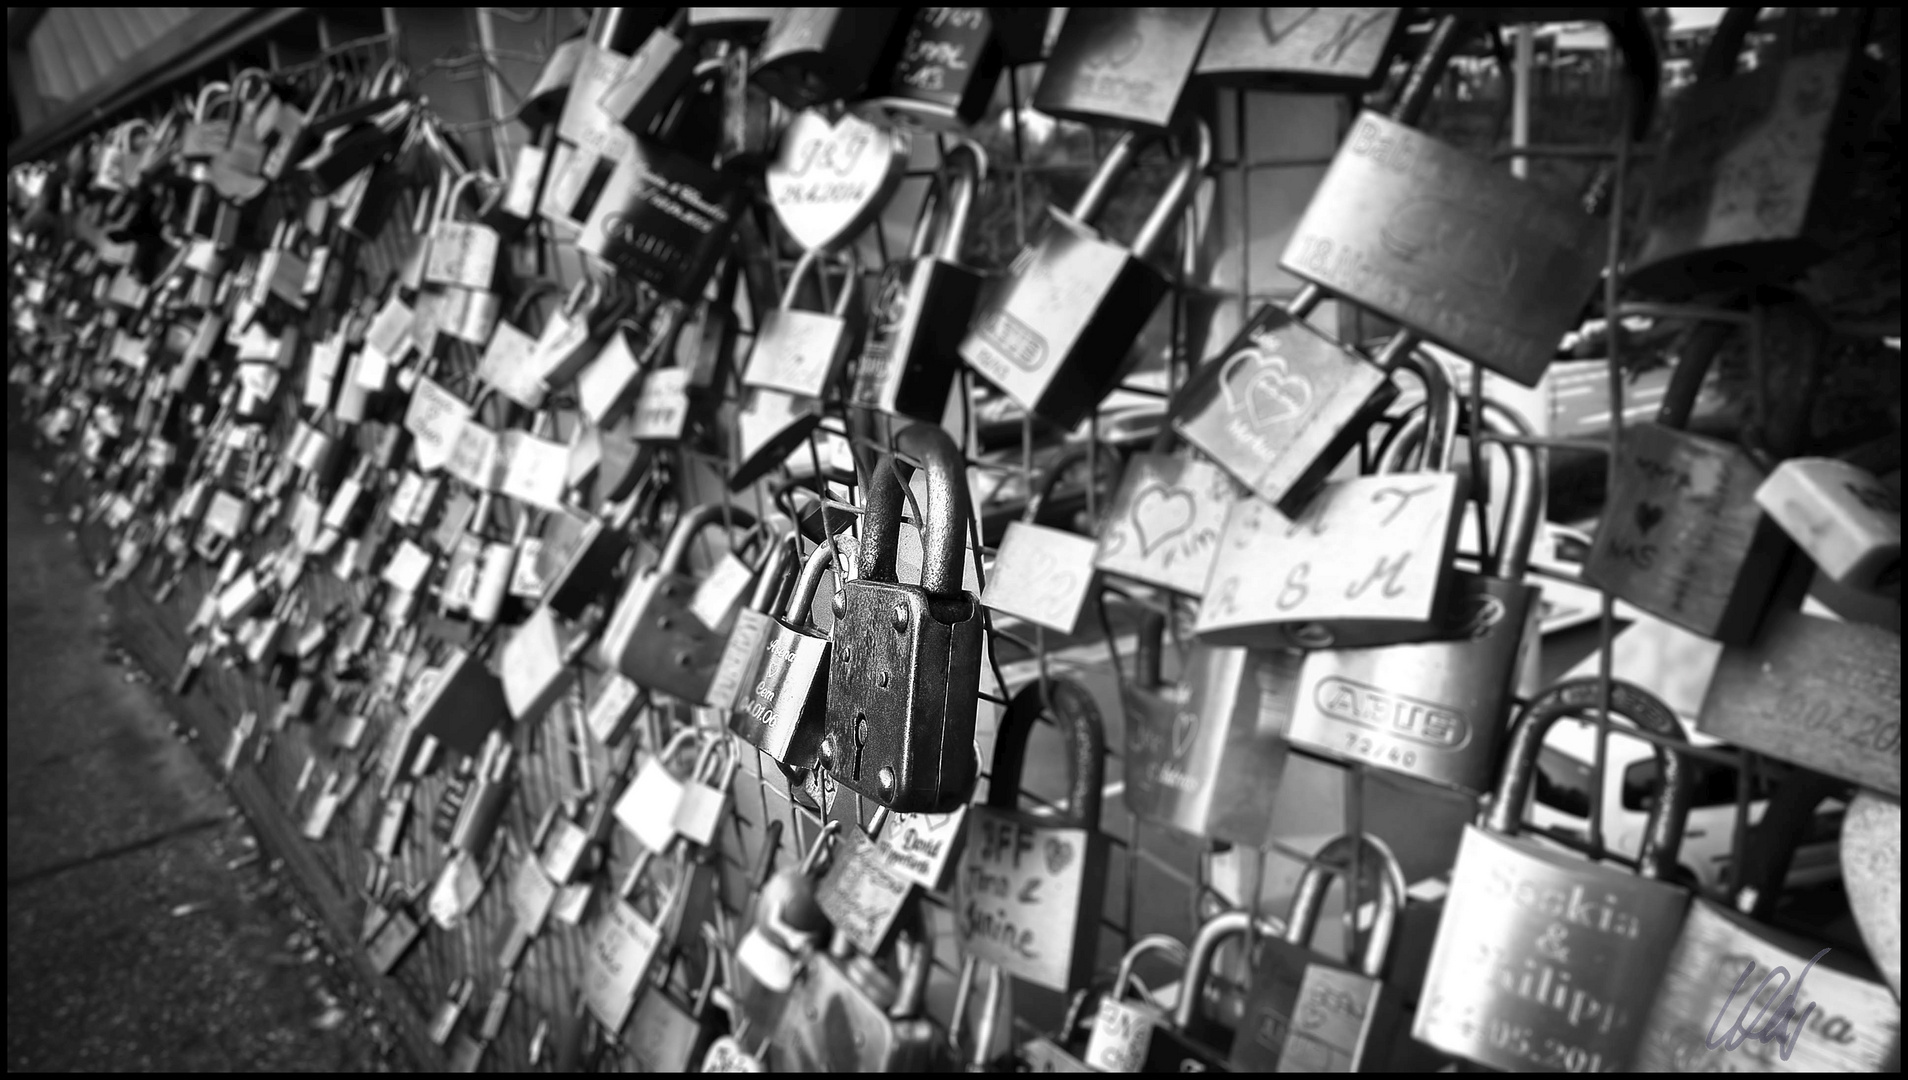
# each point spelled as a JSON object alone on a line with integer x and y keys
{"x": 1281, "y": 406}
{"x": 1128, "y": 67}
{"x": 783, "y": 698}
{"x": 815, "y": 55}
{"x": 942, "y": 70}
{"x": 1211, "y": 766}
{"x": 1820, "y": 693}
{"x": 1321, "y": 50}
{"x": 577, "y": 561}
{"x": 463, "y": 708}
{"x": 902, "y": 693}
{"x": 1055, "y": 334}
{"x": 1277, "y": 971}
{"x": 656, "y": 639}
{"x": 1030, "y": 896}
{"x": 1551, "y": 962}
{"x": 664, "y": 218}
{"x": 1436, "y": 710}
{"x": 1682, "y": 537}
{"x": 1166, "y": 520}
{"x": 1450, "y": 245}
{"x": 652, "y": 79}
{"x": 1854, "y": 1025}
{"x": 799, "y": 352}
{"x": 1840, "y": 515}
{"x": 912, "y": 354}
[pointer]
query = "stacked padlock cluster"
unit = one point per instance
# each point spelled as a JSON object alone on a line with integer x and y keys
{"x": 444, "y": 505}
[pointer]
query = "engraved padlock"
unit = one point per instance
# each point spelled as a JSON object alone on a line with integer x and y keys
{"x": 1056, "y": 332}
{"x": 1126, "y": 67}
{"x": 811, "y": 56}
{"x": 1121, "y": 1038}
{"x": 941, "y": 71}
{"x": 1840, "y": 515}
{"x": 903, "y": 686}
{"x": 802, "y": 352}
{"x": 781, "y": 704}
{"x": 655, "y": 636}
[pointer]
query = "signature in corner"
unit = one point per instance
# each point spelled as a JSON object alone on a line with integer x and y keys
{"x": 1782, "y": 1026}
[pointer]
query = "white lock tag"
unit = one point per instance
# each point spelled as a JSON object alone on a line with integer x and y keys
{"x": 720, "y": 594}
{"x": 407, "y": 567}
{"x": 435, "y": 417}
{"x": 532, "y": 894}
{"x": 768, "y": 963}
{"x": 456, "y": 891}
{"x": 615, "y": 704}
{"x": 475, "y": 456}
{"x": 649, "y": 805}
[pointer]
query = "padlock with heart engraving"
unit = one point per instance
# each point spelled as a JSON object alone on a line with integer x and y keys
{"x": 1164, "y": 523}
{"x": 1307, "y": 1013}
{"x": 1438, "y": 709}
{"x": 904, "y": 682}
{"x": 833, "y": 175}
{"x": 655, "y": 636}
{"x": 1559, "y": 952}
{"x": 1205, "y": 757}
{"x": 1031, "y": 888}
{"x": 811, "y": 56}
{"x": 1681, "y": 535}
{"x": 782, "y": 686}
{"x": 1367, "y": 563}
{"x": 1450, "y": 245}
{"x": 1315, "y": 49}
{"x": 1840, "y": 515}
{"x": 941, "y": 70}
{"x": 847, "y": 1014}
{"x": 924, "y": 302}
{"x": 802, "y": 352}
{"x": 1125, "y": 67}
{"x": 1056, "y": 333}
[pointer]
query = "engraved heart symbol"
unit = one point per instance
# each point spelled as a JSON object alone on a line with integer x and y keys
{"x": 1161, "y": 513}
{"x": 1185, "y": 733}
{"x": 1059, "y": 854}
{"x": 1271, "y": 394}
{"x": 831, "y": 179}
{"x": 1117, "y": 52}
{"x": 1647, "y": 515}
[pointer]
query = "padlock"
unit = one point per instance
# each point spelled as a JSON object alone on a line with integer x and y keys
{"x": 576, "y": 563}
{"x": 903, "y": 686}
{"x": 1681, "y": 535}
{"x": 1031, "y": 888}
{"x": 462, "y": 253}
{"x": 1787, "y": 123}
{"x": 1125, "y": 67}
{"x": 1305, "y": 1013}
{"x": 1056, "y": 333}
{"x": 1437, "y": 710}
{"x": 654, "y": 635}
{"x": 508, "y": 364}
{"x": 812, "y": 56}
{"x": 1552, "y": 958}
{"x": 941, "y": 71}
{"x": 653, "y": 77}
{"x": 1164, "y": 523}
{"x": 802, "y": 352}
{"x": 1452, "y": 246}
{"x": 1841, "y": 516}
{"x": 536, "y": 663}
{"x": 545, "y": 99}
{"x": 1121, "y": 1037}
{"x": 623, "y": 946}
{"x": 1192, "y": 1043}
{"x": 483, "y": 806}
{"x": 573, "y": 334}
{"x": 924, "y": 302}
{"x": 1205, "y": 757}
{"x": 668, "y": 1036}
{"x": 1396, "y": 588}
{"x": 848, "y": 1015}
{"x": 464, "y": 704}
{"x": 1320, "y": 50}
{"x": 782, "y": 682}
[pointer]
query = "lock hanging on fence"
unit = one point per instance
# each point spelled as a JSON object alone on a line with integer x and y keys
{"x": 782, "y": 698}
{"x": 802, "y": 352}
{"x": 1127, "y": 67}
{"x": 655, "y": 636}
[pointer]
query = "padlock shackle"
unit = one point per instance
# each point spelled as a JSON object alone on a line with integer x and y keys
{"x": 1078, "y": 718}
{"x": 1523, "y": 507}
{"x": 1332, "y": 860}
{"x": 802, "y": 600}
{"x": 447, "y": 210}
{"x": 948, "y": 511}
{"x": 1159, "y": 225}
{"x": 1694, "y": 354}
{"x": 1099, "y": 190}
{"x": 1176, "y": 953}
{"x": 911, "y": 994}
{"x": 203, "y": 104}
{"x": 1216, "y": 931}
{"x": 1421, "y": 83}
{"x": 969, "y": 165}
{"x": 676, "y": 553}
{"x": 772, "y": 578}
{"x": 1149, "y": 650}
{"x": 539, "y": 289}
{"x": 812, "y": 260}
{"x": 1436, "y": 420}
{"x": 1663, "y": 834}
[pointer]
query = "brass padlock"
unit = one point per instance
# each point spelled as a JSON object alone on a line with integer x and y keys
{"x": 812, "y": 56}
{"x": 942, "y": 70}
{"x": 904, "y": 684}
{"x": 1842, "y": 517}
{"x": 1031, "y": 888}
{"x": 1437, "y": 710}
{"x": 1126, "y": 67}
{"x": 782, "y": 688}
{"x": 655, "y": 637}
{"x": 1681, "y": 535}
{"x": 802, "y": 352}
{"x": 1321, "y": 50}
{"x": 1056, "y": 333}
{"x": 1543, "y": 960}
{"x": 923, "y": 303}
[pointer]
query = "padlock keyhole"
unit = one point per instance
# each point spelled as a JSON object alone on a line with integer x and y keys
{"x": 861, "y": 740}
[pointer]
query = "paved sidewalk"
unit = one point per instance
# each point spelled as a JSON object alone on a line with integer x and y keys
{"x": 143, "y": 930}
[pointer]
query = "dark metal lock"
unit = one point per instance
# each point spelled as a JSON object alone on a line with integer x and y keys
{"x": 943, "y": 70}
{"x": 812, "y": 56}
{"x": 544, "y": 101}
{"x": 578, "y": 557}
{"x": 802, "y": 352}
{"x": 1317, "y": 49}
{"x": 1205, "y": 757}
{"x": 782, "y": 696}
{"x": 1031, "y": 888}
{"x": 655, "y": 636}
{"x": 464, "y": 705}
{"x": 669, "y": 1036}
{"x": 924, "y": 303}
{"x": 1056, "y": 333}
{"x": 1307, "y": 1013}
{"x": 1448, "y": 244}
{"x": 655, "y": 74}
{"x": 1681, "y": 535}
{"x": 1128, "y": 67}
{"x": 1545, "y": 960}
{"x": 1437, "y": 710}
{"x": 902, "y": 690}
{"x": 1753, "y": 173}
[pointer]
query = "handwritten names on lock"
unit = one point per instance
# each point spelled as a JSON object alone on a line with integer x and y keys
{"x": 619, "y": 954}
{"x": 919, "y": 846}
{"x": 1041, "y": 575}
{"x": 662, "y": 406}
{"x": 940, "y": 47}
{"x": 1019, "y": 892}
{"x": 860, "y": 894}
{"x": 1122, "y": 1035}
{"x": 830, "y": 179}
{"x": 1365, "y": 550}
{"x": 1166, "y": 522}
